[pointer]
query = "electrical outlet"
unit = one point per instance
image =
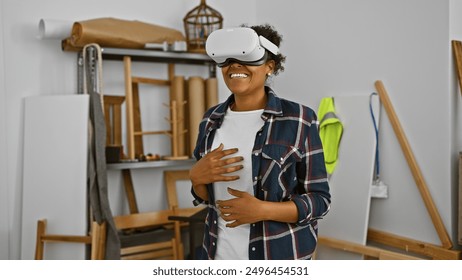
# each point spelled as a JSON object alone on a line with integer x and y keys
{"x": 379, "y": 190}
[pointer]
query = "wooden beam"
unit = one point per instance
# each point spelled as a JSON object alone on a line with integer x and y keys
{"x": 151, "y": 81}
{"x": 416, "y": 172}
{"x": 411, "y": 245}
{"x": 457, "y": 51}
{"x": 370, "y": 251}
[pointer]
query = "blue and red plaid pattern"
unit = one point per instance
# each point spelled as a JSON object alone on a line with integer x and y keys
{"x": 287, "y": 164}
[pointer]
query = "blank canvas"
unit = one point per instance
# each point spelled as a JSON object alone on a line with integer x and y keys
{"x": 350, "y": 183}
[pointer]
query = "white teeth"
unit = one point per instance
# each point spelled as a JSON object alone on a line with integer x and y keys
{"x": 239, "y": 75}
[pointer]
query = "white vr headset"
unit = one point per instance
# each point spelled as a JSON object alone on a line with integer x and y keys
{"x": 241, "y": 44}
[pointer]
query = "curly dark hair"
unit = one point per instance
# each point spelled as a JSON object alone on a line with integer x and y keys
{"x": 270, "y": 33}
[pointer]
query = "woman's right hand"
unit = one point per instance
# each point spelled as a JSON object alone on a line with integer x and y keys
{"x": 214, "y": 167}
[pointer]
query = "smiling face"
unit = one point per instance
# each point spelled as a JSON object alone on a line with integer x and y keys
{"x": 247, "y": 82}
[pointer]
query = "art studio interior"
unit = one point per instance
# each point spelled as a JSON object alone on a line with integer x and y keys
{"x": 101, "y": 102}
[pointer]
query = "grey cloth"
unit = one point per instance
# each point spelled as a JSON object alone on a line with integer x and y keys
{"x": 97, "y": 173}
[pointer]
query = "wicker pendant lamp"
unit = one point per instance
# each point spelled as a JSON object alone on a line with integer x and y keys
{"x": 198, "y": 24}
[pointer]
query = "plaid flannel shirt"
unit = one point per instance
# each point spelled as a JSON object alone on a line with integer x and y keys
{"x": 287, "y": 164}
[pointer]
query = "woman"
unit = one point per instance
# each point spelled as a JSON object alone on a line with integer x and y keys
{"x": 260, "y": 165}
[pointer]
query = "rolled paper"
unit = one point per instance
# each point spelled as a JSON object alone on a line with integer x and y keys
{"x": 177, "y": 95}
{"x": 211, "y": 92}
{"x": 54, "y": 29}
{"x": 196, "y": 100}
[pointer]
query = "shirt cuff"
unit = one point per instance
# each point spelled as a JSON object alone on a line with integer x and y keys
{"x": 197, "y": 200}
{"x": 304, "y": 211}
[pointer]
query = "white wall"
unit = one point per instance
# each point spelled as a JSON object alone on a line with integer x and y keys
{"x": 39, "y": 67}
{"x": 4, "y": 222}
{"x": 337, "y": 48}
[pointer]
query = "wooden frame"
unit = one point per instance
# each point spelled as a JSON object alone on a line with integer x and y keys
{"x": 412, "y": 162}
{"x": 171, "y": 177}
{"x": 96, "y": 239}
{"x": 171, "y": 249}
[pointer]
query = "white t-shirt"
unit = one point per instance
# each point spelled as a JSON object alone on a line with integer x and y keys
{"x": 238, "y": 130}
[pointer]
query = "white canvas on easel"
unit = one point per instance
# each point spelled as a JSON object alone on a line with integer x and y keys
{"x": 350, "y": 183}
{"x": 55, "y": 173}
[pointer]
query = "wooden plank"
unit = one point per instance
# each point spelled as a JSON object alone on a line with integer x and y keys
{"x": 460, "y": 199}
{"x": 129, "y": 107}
{"x": 416, "y": 172}
{"x": 139, "y": 220}
{"x": 362, "y": 249}
{"x": 137, "y": 123}
{"x": 139, "y": 133}
{"x": 129, "y": 191}
{"x": 411, "y": 245}
{"x": 67, "y": 238}
{"x": 150, "y": 81}
{"x": 457, "y": 51}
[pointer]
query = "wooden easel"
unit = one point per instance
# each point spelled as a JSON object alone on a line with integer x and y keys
{"x": 407, "y": 244}
{"x": 417, "y": 174}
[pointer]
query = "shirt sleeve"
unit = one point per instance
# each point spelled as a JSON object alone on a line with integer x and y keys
{"x": 313, "y": 198}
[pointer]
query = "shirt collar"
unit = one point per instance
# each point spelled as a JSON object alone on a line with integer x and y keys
{"x": 273, "y": 106}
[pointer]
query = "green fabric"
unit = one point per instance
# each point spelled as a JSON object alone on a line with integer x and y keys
{"x": 330, "y": 131}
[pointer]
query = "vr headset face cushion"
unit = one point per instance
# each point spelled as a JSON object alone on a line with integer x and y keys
{"x": 240, "y": 44}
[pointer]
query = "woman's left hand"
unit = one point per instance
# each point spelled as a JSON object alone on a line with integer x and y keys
{"x": 244, "y": 209}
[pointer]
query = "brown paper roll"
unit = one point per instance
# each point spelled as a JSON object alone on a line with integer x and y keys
{"x": 211, "y": 92}
{"x": 113, "y": 32}
{"x": 196, "y": 100}
{"x": 177, "y": 94}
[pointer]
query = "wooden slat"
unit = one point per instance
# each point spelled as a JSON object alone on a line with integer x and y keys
{"x": 98, "y": 241}
{"x": 41, "y": 226}
{"x": 117, "y": 128}
{"x": 137, "y": 123}
{"x": 457, "y": 51}
{"x": 138, "y": 133}
{"x": 130, "y": 191}
{"x": 129, "y": 107}
{"x": 109, "y": 124}
{"x": 146, "y": 247}
{"x": 151, "y": 81}
{"x": 159, "y": 250}
{"x": 416, "y": 172}
{"x": 171, "y": 176}
{"x": 67, "y": 238}
{"x": 143, "y": 219}
{"x": 460, "y": 199}
{"x": 113, "y": 118}
{"x": 363, "y": 249}
{"x": 411, "y": 245}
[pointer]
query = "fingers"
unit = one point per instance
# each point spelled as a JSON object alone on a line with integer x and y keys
{"x": 229, "y": 161}
{"x": 219, "y": 148}
{"x": 231, "y": 218}
{"x": 220, "y": 153}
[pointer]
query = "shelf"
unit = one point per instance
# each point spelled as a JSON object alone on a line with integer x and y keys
{"x": 149, "y": 164}
{"x": 157, "y": 56}
{"x": 143, "y": 55}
